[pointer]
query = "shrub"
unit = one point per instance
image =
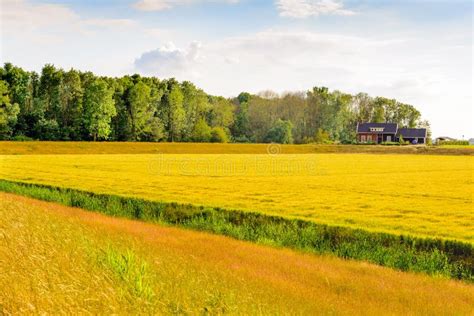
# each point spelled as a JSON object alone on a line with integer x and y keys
{"x": 403, "y": 143}
{"x": 454, "y": 142}
{"x": 201, "y": 132}
{"x": 22, "y": 138}
{"x": 218, "y": 135}
{"x": 281, "y": 132}
{"x": 322, "y": 137}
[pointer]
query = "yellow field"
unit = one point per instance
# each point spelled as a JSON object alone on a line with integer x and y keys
{"x": 55, "y": 258}
{"x": 61, "y": 148}
{"x": 423, "y": 195}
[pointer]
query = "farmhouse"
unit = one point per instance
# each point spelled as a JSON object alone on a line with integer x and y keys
{"x": 389, "y": 132}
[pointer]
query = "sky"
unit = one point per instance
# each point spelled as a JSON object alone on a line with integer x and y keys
{"x": 418, "y": 52}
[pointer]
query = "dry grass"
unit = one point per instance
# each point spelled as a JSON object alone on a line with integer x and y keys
{"x": 55, "y": 259}
{"x": 410, "y": 194}
{"x": 60, "y": 148}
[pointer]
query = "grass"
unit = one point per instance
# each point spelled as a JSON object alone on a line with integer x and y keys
{"x": 52, "y": 148}
{"x": 436, "y": 257}
{"x": 467, "y": 146}
{"x": 55, "y": 258}
{"x": 418, "y": 195}
{"x": 129, "y": 269}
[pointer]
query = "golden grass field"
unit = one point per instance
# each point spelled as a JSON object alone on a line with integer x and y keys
{"x": 423, "y": 195}
{"x": 54, "y": 258}
{"x": 57, "y": 147}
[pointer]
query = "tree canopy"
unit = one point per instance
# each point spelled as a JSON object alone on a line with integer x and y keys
{"x": 75, "y": 105}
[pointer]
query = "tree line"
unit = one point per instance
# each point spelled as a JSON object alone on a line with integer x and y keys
{"x": 74, "y": 105}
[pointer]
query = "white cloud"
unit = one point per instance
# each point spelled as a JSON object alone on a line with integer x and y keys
{"x": 259, "y": 61}
{"x": 25, "y": 17}
{"x": 22, "y": 14}
{"x": 169, "y": 61}
{"x": 35, "y": 33}
{"x": 307, "y": 8}
{"x": 159, "y": 5}
{"x": 109, "y": 23}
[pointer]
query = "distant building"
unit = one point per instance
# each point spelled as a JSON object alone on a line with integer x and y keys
{"x": 443, "y": 139}
{"x": 389, "y": 132}
{"x": 471, "y": 141}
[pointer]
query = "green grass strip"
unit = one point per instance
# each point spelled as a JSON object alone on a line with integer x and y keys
{"x": 446, "y": 258}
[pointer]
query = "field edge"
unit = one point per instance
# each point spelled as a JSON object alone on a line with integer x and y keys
{"x": 446, "y": 258}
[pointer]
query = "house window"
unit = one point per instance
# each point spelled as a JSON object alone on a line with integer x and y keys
{"x": 362, "y": 138}
{"x": 389, "y": 138}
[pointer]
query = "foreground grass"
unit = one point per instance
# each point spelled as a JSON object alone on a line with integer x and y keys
{"x": 45, "y": 147}
{"x": 59, "y": 259}
{"x": 433, "y": 256}
{"x": 420, "y": 195}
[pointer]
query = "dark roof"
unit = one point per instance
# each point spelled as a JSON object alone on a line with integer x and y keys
{"x": 412, "y": 132}
{"x": 389, "y": 128}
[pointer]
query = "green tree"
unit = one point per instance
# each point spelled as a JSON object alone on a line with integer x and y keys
{"x": 141, "y": 111}
{"x": 18, "y": 81}
{"x": 241, "y": 128}
{"x": 176, "y": 114}
{"x": 222, "y": 112}
{"x": 155, "y": 130}
{"x": 99, "y": 108}
{"x": 202, "y": 131}
{"x": 121, "y": 123}
{"x": 244, "y": 97}
{"x": 71, "y": 95}
{"x": 8, "y": 112}
{"x": 47, "y": 129}
{"x": 321, "y": 136}
{"x": 426, "y": 124}
{"x": 379, "y": 114}
{"x": 413, "y": 117}
{"x": 281, "y": 132}
{"x": 196, "y": 105}
{"x": 50, "y": 91}
{"x": 22, "y": 88}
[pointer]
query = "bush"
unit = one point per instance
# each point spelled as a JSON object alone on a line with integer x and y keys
{"x": 401, "y": 143}
{"x": 218, "y": 135}
{"x": 454, "y": 142}
{"x": 322, "y": 137}
{"x": 22, "y": 138}
{"x": 242, "y": 139}
{"x": 281, "y": 132}
{"x": 48, "y": 129}
{"x": 201, "y": 132}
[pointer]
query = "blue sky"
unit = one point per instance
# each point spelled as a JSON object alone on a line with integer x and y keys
{"x": 419, "y": 52}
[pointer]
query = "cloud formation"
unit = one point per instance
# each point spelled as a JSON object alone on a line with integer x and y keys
{"x": 160, "y": 5}
{"x": 169, "y": 61}
{"x": 307, "y": 8}
{"x": 261, "y": 60}
{"x": 23, "y": 16}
